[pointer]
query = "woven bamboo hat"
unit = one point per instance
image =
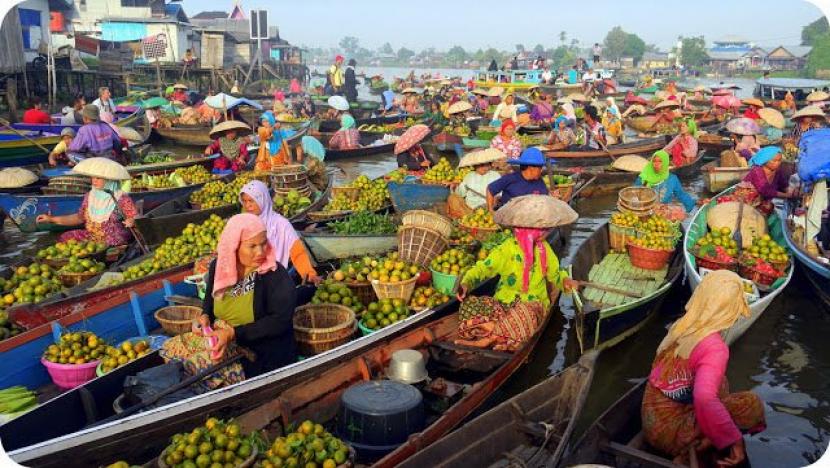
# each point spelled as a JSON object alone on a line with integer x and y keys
{"x": 223, "y": 127}
{"x": 16, "y": 177}
{"x": 753, "y": 223}
{"x": 495, "y": 91}
{"x": 753, "y": 102}
{"x": 701, "y": 89}
{"x": 772, "y": 117}
{"x": 459, "y": 107}
{"x": 410, "y": 91}
{"x": 630, "y": 163}
{"x": 809, "y": 111}
{"x": 818, "y": 96}
{"x": 480, "y": 92}
{"x": 578, "y": 97}
{"x": 667, "y": 103}
{"x": 180, "y": 86}
{"x": 482, "y": 157}
{"x": 535, "y": 211}
{"x": 102, "y": 168}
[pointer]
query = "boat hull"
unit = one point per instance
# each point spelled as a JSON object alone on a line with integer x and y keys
{"x": 571, "y": 158}
{"x": 818, "y": 275}
{"x": 329, "y": 246}
{"x": 717, "y": 179}
{"x": 407, "y": 197}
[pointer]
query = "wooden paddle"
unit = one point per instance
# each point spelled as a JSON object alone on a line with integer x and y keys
{"x": 602, "y": 287}
{"x": 7, "y": 124}
{"x": 737, "y": 236}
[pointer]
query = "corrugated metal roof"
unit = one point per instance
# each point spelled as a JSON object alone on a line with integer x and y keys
{"x": 12, "y": 59}
{"x": 720, "y": 55}
{"x": 792, "y": 83}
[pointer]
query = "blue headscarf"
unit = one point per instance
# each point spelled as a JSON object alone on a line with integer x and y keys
{"x": 313, "y": 147}
{"x": 388, "y": 99}
{"x": 561, "y": 118}
{"x": 347, "y": 122}
{"x": 275, "y": 142}
{"x": 764, "y": 155}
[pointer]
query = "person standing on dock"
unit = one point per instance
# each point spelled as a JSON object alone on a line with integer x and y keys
{"x": 105, "y": 104}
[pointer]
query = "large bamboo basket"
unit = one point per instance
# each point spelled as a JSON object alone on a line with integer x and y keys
{"x": 420, "y": 245}
{"x": 322, "y": 327}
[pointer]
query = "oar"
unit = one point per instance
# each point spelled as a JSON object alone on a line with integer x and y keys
{"x": 737, "y": 236}
{"x": 8, "y": 125}
{"x": 610, "y": 289}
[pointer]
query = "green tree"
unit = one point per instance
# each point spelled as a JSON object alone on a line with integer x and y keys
{"x": 349, "y": 44}
{"x": 693, "y": 51}
{"x": 387, "y": 49}
{"x": 634, "y": 47}
{"x": 405, "y": 54}
{"x": 563, "y": 37}
{"x": 819, "y": 58}
{"x": 520, "y": 48}
{"x": 539, "y": 49}
{"x": 812, "y": 32}
{"x": 456, "y": 56}
{"x": 614, "y": 43}
{"x": 563, "y": 57}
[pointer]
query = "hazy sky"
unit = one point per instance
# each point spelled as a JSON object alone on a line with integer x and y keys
{"x": 502, "y": 24}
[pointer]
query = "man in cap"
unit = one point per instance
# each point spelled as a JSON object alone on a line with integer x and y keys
{"x": 58, "y": 154}
{"x": 95, "y": 138}
{"x": 335, "y": 77}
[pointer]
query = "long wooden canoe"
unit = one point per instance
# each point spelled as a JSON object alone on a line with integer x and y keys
{"x": 334, "y": 125}
{"x": 717, "y": 179}
{"x": 325, "y": 246}
{"x": 517, "y": 430}
{"x": 199, "y": 135}
{"x": 817, "y": 272}
{"x": 591, "y": 157}
{"x": 367, "y": 140}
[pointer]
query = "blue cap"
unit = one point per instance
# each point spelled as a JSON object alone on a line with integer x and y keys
{"x": 529, "y": 157}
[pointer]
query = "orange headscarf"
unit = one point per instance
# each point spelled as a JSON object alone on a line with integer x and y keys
{"x": 504, "y": 125}
{"x": 239, "y": 228}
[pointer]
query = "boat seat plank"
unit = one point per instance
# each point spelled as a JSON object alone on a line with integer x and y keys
{"x": 641, "y": 457}
{"x": 449, "y": 346}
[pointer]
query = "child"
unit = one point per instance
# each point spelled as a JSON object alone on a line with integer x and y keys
{"x": 58, "y": 154}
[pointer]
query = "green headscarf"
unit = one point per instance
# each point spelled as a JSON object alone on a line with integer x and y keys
{"x": 346, "y": 122}
{"x": 692, "y": 125}
{"x": 651, "y": 177}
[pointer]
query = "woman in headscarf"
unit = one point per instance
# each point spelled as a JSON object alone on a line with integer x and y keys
{"x": 435, "y": 115}
{"x": 687, "y": 403}
{"x": 233, "y": 151}
{"x": 348, "y": 137}
{"x": 288, "y": 248}
{"x": 106, "y": 211}
{"x": 542, "y": 111}
{"x": 250, "y": 291}
{"x": 506, "y": 140}
{"x": 561, "y": 135}
{"x": 683, "y": 147}
{"x": 314, "y": 163}
{"x": 272, "y": 152}
{"x": 766, "y": 177}
{"x": 473, "y": 189}
{"x": 569, "y": 112}
{"x": 656, "y": 175}
{"x": 806, "y": 119}
{"x": 506, "y": 110}
{"x": 613, "y": 124}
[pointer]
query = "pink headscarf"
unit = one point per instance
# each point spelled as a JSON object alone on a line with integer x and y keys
{"x": 529, "y": 238}
{"x": 281, "y": 234}
{"x": 279, "y": 95}
{"x": 294, "y": 87}
{"x": 240, "y": 228}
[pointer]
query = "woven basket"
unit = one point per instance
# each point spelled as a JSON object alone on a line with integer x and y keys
{"x": 618, "y": 236}
{"x": 351, "y": 193}
{"x": 321, "y": 327}
{"x": 400, "y": 290}
{"x": 428, "y": 219}
{"x": 324, "y": 215}
{"x": 420, "y": 245}
{"x": 648, "y": 259}
{"x": 294, "y": 176}
{"x": 178, "y": 319}
{"x": 712, "y": 264}
{"x": 73, "y": 279}
{"x": 364, "y": 292}
{"x": 637, "y": 212}
{"x": 637, "y": 198}
{"x": 563, "y": 192}
{"x": 303, "y": 191}
{"x": 480, "y": 233}
{"x": 67, "y": 184}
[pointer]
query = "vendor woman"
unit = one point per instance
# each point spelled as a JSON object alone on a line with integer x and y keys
{"x": 506, "y": 141}
{"x": 106, "y": 212}
{"x": 288, "y": 248}
{"x": 766, "y": 175}
{"x": 272, "y": 151}
{"x": 249, "y": 290}
{"x": 687, "y": 404}
{"x": 505, "y": 110}
{"x": 528, "y": 181}
{"x": 528, "y": 271}
{"x": 232, "y": 150}
{"x": 348, "y": 137}
{"x": 410, "y": 154}
{"x": 656, "y": 175}
{"x": 473, "y": 189}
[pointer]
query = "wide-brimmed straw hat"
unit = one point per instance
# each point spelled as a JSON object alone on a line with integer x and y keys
{"x": 817, "y": 96}
{"x": 223, "y": 127}
{"x": 485, "y": 156}
{"x": 495, "y": 91}
{"x": 411, "y": 137}
{"x": 753, "y": 102}
{"x": 445, "y": 82}
{"x": 480, "y": 91}
{"x": 661, "y": 95}
{"x": 459, "y": 107}
{"x": 338, "y": 103}
{"x": 667, "y": 103}
{"x": 630, "y": 163}
{"x": 579, "y": 97}
{"x": 91, "y": 112}
{"x": 180, "y": 86}
{"x": 409, "y": 91}
{"x": 103, "y": 168}
{"x": 743, "y": 126}
{"x": 16, "y": 177}
{"x": 809, "y": 111}
{"x": 535, "y": 211}
{"x": 772, "y": 117}
{"x": 701, "y": 89}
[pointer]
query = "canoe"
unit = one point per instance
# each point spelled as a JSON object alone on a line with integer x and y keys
{"x": 173, "y": 215}
{"x": 133, "y": 118}
{"x": 717, "y": 179}
{"x": 325, "y": 245}
{"x": 518, "y": 426}
{"x": 697, "y": 228}
{"x": 368, "y": 148}
{"x": 645, "y": 123}
{"x": 334, "y": 125}
{"x": 817, "y": 273}
{"x": 17, "y": 151}
{"x": 197, "y": 135}
{"x": 606, "y": 318}
{"x": 417, "y": 196}
{"x": 592, "y": 157}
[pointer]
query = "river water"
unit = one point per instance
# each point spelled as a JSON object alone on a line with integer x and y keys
{"x": 783, "y": 357}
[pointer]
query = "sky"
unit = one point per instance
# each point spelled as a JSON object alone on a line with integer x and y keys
{"x": 503, "y": 24}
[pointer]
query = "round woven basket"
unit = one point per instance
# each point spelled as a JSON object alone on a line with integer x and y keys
{"x": 637, "y": 198}
{"x": 73, "y": 279}
{"x": 321, "y": 327}
{"x": 428, "y": 219}
{"x": 714, "y": 264}
{"x": 400, "y": 290}
{"x": 648, "y": 259}
{"x": 480, "y": 233}
{"x": 351, "y": 193}
{"x": 420, "y": 245}
{"x": 294, "y": 176}
{"x": 304, "y": 191}
{"x": 363, "y": 291}
{"x": 178, "y": 319}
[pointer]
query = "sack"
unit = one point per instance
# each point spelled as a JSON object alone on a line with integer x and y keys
{"x": 814, "y": 155}
{"x": 150, "y": 382}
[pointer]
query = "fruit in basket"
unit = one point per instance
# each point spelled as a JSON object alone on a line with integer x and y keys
{"x": 767, "y": 249}
{"x": 715, "y": 252}
{"x": 391, "y": 269}
{"x": 373, "y": 195}
{"x": 477, "y": 306}
{"x": 442, "y": 171}
{"x": 654, "y": 241}
{"x": 29, "y": 284}
{"x": 8, "y": 328}
{"x": 291, "y": 203}
{"x": 624, "y": 219}
{"x": 398, "y": 175}
{"x": 461, "y": 236}
{"x": 762, "y": 266}
{"x": 218, "y": 193}
{"x": 479, "y": 218}
{"x": 452, "y": 261}
{"x": 719, "y": 238}
{"x": 331, "y": 291}
{"x": 558, "y": 179}
{"x": 383, "y": 313}
{"x": 84, "y": 265}
{"x": 76, "y": 348}
{"x": 196, "y": 174}
{"x": 216, "y": 442}
{"x": 71, "y": 248}
{"x": 657, "y": 224}
{"x": 309, "y": 444}
{"x": 117, "y": 356}
{"x": 427, "y": 297}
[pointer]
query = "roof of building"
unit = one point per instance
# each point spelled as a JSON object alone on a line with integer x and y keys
{"x": 731, "y": 39}
{"x": 725, "y": 55}
{"x": 121, "y": 19}
{"x": 793, "y": 83}
{"x": 176, "y": 10}
{"x": 209, "y": 15}
{"x": 796, "y": 51}
{"x": 755, "y": 51}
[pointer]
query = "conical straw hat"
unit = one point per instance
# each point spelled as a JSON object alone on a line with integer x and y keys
{"x": 818, "y": 96}
{"x": 630, "y": 163}
{"x": 772, "y": 117}
{"x": 495, "y": 91}
{"x": 16, "y": 177}
{"x": 754, "y": 102}
{"x": 229, "y": 125}
{"x": 102, "y": 168}
{"x": 482, "y": 157}
{"x": 458, "y": 107}
{"x": 535, "y": 211}
{"x": 809, "y": 111}
{"x": 725, "y": 215}
{"x": 667, "y": 103}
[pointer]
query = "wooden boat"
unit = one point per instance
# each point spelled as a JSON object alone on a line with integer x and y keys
{"x": 645, "y": 123}
{"x": 334, "y": 125}
{"x": 368, "y": 148}
{"x": 173, "y": 215}
{"x": 717, "y": 179}
{"x": 774, "y": 89}
{"x": 606, "y": 318}
{"x": 445, "y": 142}
{"x": 518, "y": 426}
{"x": 697, "y": 228}
{"x": 817, "y": 273}
{"x": 416, "y": 196}
{"x": 586, "y": 157}
{"x": 325, "y": 246}
{"x": 186, "y": 135}
{"x": 134, "y": 118}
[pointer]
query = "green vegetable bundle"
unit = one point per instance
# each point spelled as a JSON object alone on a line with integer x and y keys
{"x": 365, "y": 223}
{"x": 15, "y": 400}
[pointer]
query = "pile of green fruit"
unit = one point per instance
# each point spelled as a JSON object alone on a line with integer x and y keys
{"x": 219, "y": 193}
{"x": 398, "y": 175}
{"x": 76, "y": 348}
{"x": 457, "y": 128}
{"x": 310, "y": 446}
{"x": 195, "y": 241}
{"x": 365, "y": 222}
{"x": 376, "y": 128}
{"x": 8, "y": 328}
{"x": 356, "y": 271}
{"x": 474, "y": 306}
{"x": 658, "y": 224}
{"x": 461, "y": 236}
{"x": 768, "y": 250}
{"x": 71, "y": 249}
{"x": 291, "y": 203}
{"x": 624, "y": 219}
{"x": 558, "y": 179}
{"x": 117, "y": 356}
{"x": 383, "y": 313}
{"x": 530, "y": 140}
{"x": 214, "y": 444}
{"x": 654, "y": 241}
{"x": 479, "y": 218}
{"x": 196, "y": 174}
{"x": 386, "y": 269}
{"x": 83, "y": 265}
{"x": 719, "y": 238}
{"x": 16, "y": 400}
{"x": 426, "y": 297}
{"x": 29, "y": 284}
{"x": 443, "y": 173}
{"x": 154, "y": 158}
{"x": 452, "y": 262}
{"x": 373, "y": 196}
{"x": 333, "y": 292}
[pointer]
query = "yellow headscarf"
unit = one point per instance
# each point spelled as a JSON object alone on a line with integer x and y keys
{"x": 717, "y": 303}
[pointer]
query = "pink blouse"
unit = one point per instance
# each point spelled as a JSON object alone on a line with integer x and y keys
{"x": 512, "y": 148}
{"x": 700, "y": 378}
